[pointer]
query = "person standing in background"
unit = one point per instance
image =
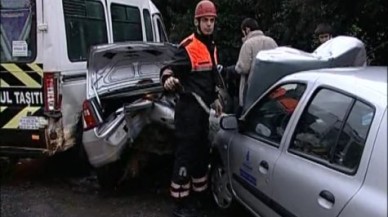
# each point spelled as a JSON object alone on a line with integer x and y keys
{"x": 324, "y": 32}
{"x": 254, "y": 41}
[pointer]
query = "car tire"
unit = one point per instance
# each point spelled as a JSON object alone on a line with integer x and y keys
{"x": 220, "y": 186}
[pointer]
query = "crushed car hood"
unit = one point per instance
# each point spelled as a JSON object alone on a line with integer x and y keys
{"x": 271, "y": 65}
{"x": 126, "y": 66}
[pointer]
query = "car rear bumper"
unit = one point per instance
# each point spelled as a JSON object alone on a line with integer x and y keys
{"x": 101, "y": 151}
{"x": 105, "y": 143}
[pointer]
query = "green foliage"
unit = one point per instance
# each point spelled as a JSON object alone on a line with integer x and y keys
{"x": 289, "y": 22}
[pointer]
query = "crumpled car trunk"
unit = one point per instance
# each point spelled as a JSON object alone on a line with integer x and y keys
{"x": 120, "y": 74}
{"x": 126, "y": 100}
{"x": 126, "y": 115}
{"x": 125, "y": 67}
{"x": 124, "y": 95}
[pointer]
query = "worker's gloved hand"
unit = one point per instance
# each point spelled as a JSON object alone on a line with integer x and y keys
{"x": 172, "y": 84}
{"x": 218, "y": 107}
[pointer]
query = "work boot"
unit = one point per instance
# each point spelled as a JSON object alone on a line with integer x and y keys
{"x": 185, "y": 208}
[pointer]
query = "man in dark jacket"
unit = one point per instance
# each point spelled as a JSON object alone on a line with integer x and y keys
{"x": 324, "y": 32}
{"x": 193, "y": 75}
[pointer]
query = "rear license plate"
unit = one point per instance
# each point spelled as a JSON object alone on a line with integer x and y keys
{"x": 29, "y": 123}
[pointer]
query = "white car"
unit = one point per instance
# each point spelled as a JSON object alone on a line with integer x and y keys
{"x": 312, "y": 138}
{"x": 313, "y": 144}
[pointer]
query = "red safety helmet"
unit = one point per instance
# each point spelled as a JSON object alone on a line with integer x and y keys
{"x": 205, "y": 8}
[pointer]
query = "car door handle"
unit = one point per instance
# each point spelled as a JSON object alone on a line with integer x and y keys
{"x": 263, "y": 168}
{"x": 326, "y": 199}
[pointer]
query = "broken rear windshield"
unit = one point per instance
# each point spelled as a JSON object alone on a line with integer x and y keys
{"x": 18, "y": 30}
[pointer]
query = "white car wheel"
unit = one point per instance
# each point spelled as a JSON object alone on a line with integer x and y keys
{"x": 220, "y": 187}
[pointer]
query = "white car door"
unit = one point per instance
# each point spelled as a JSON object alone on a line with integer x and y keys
{"x": 318, "y": 173}
{"x": 255, "y": 149}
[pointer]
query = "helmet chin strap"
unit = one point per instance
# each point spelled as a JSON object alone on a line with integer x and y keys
{"x": 199, "y": 31}
{"x": 198, "y": 26}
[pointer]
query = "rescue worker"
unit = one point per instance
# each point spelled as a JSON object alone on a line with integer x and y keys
{"x": 324, "y": 32}
{"x": 254, "y": 41}
{"x": 193, "y": 75}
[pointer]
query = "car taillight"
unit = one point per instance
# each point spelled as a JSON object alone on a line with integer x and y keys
{"x": 52, "y": 98}
{"x": 91, "y": 118}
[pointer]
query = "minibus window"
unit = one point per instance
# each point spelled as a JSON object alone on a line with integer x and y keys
{"x": 18, "y": 30}
{"x": 148, "y": 25}
{"x": 85, "y": 26}
{"x": 126, "y": 23}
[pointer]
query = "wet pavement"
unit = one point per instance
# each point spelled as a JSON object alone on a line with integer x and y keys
{"x": 47, "y": 187}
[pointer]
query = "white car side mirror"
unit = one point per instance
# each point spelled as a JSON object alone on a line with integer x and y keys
{"x": 228, "y": 122}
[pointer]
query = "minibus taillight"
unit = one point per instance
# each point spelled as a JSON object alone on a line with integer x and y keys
{"x": 51, "y": 95}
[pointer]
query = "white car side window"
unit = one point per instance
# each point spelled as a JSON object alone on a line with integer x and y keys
{"x": 269, "y": 117}
{"x": 333, "y": 130}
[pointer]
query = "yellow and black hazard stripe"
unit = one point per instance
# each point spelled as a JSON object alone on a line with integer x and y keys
{"x": 17, "y": 79}
{"x": 21, "y": 75}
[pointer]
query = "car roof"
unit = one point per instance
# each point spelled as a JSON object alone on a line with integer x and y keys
{"x": 367, "y": 83}
{"x": 359, "y": 81}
